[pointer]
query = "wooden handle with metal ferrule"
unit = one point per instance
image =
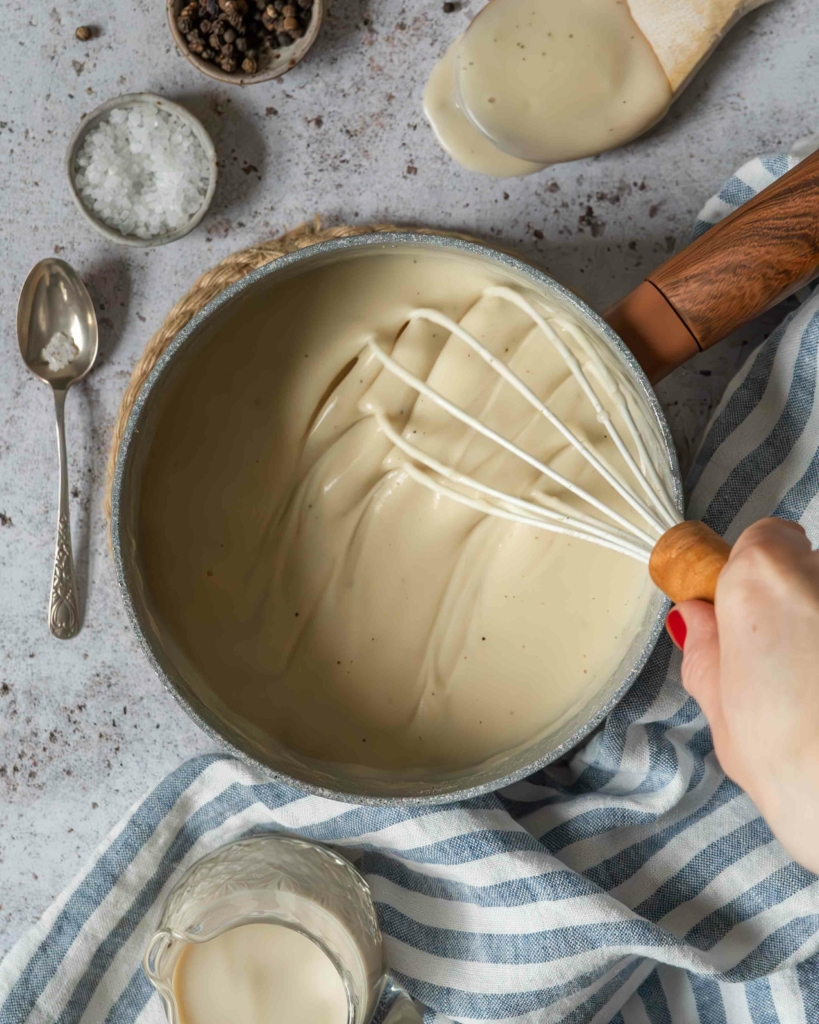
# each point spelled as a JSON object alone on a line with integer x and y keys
{"x": 687, "y": 560}
{"x": 760, "y": 254}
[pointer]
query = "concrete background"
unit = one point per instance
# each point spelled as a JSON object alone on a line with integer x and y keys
{"x": 85, "y": 728}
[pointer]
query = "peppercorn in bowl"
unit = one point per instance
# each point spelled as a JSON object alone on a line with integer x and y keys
{"x": 244, "y": 41}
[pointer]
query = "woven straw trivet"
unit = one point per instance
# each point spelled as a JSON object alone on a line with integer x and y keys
{"x": 231, "y": 269}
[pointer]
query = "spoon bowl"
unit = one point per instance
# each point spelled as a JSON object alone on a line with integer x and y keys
{"x": 55, "y": 301}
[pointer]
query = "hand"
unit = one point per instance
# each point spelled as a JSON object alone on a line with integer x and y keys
{"x": 752, "y": 663}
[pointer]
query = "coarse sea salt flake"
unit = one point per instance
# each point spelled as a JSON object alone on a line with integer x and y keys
{"x": 142, "y": 171}
{"x": 59, "y": 351}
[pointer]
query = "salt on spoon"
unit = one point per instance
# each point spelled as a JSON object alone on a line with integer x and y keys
{"x": 59, "y": 352}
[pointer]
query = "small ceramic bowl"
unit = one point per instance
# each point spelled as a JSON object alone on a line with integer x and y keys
{"x": 123, "y": 103}
{"x": 271, "y": 63}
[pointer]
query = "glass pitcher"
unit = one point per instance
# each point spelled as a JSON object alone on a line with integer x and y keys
{"x": 275, "y": 879}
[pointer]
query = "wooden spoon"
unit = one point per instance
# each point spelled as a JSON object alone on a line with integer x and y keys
{"x": 683, "y": 33}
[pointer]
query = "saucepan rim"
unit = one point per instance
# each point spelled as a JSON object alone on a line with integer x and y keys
{"x": 123, "y": 563}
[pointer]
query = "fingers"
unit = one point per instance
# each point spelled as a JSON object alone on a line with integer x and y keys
{"x": 700, "y": 664}
{"x": 700, "y": 668}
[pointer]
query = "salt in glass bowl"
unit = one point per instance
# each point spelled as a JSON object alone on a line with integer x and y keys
{"x": 123, "y": 103}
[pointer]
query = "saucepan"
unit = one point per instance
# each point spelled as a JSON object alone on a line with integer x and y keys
{"x": 761, "y": 254}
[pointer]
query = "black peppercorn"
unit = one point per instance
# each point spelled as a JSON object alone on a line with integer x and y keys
{"x": 232, "y": 33}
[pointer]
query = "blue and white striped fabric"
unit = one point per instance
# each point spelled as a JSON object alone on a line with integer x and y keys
{"x": 636, "y": 884}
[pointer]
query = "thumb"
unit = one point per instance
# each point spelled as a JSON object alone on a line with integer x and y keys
{"x": 692, "y": 626}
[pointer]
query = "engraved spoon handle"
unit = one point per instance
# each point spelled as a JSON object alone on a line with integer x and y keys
{"x": 63, "y": 610}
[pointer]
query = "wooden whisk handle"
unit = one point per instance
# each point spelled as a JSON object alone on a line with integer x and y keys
{"x": 687, "y": 560}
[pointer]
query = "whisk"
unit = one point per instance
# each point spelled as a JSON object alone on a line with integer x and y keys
{"x": 684, "y": 557}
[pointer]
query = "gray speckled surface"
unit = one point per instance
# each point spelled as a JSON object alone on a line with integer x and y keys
{"x": 84, "y": 726}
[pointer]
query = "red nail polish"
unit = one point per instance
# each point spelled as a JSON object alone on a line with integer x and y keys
{"x": 677, "y": 630}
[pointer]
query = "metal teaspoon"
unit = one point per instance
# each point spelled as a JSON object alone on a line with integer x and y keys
{"x": 54, "y": 301}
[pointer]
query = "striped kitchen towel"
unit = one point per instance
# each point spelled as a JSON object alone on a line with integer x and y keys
{"x": 635, "y": 884}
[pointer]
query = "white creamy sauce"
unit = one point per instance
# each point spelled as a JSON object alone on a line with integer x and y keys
{"x": 258, "y": 973}
{"x": 456, "y": 133}
{"x": 326, "y": 599}
{"x": 545, "y": 81}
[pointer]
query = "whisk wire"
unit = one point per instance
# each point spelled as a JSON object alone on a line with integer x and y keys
{"x": 639, "y": 554}
{"x": 460, "y": 414}
{"x": 541, "y": 509}
{"x": 501, "y": 291}
{"x": 654, "y": 485}
{"x": 523, "y": 389}
{"x": 551, "y": 501}
{"x": 573, "y": 525}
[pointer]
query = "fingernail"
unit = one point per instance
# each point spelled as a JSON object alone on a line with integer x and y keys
{"x": 675, "y": 624}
